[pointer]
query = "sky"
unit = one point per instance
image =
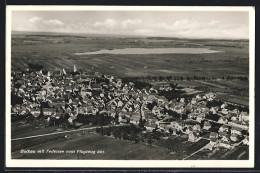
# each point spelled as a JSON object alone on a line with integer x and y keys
{"x": 182, "y": 24}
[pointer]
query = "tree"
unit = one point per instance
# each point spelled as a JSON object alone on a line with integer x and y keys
{"x": 151, "y": 105}
{"x": 170, "y": 131}
{"x": 16, "y": 99}
{"x": 35, "y": 67}
{"x": 141, "y": 85}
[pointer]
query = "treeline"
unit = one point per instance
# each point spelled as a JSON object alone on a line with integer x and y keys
{"x": 17, "y": 117}
{"x": 35, "y": 67}
{"x": 174, "y": 93}
{"x": 181, "y": 78}
{"x": 137, "y": 83}
{"x": 98, "y": 119}
{"x": 132, "y": 133}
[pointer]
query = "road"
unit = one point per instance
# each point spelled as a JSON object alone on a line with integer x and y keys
{"x": 55, "y": 133}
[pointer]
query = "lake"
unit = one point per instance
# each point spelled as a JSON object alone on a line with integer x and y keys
{"x": 151, "y": 51}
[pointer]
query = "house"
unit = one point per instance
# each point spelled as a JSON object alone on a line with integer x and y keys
{"x": 234, "y": 137}
{"x": 209, "y": 95}
{"x": 223, "y": 120}
{"x": 178, "y": 125}
{"x": 120, "y": 103}
{"x": 193, "y": 101}
{"x": 71, "y": 119}
{"x": 182, "y": 100}
{"x": 236, "y": 130}
{"x": 165, "y": 127}
{"x": 224, "y": 144}
{"x": 112, "y": 113}
{"x": 174, "y": 131}
{"x": 223, "y": 128}
{"x": 135, "y": 117}
{"x": 246, "y": 141}
{"x": 58, "y": 115}
{"x": 178, "y": 109}
{"x": 69, "y": 89}
{"x": 213, "y": 110}
{"x": 213, "y": 141}
{"x": 95, "y": 87}
{"x": 198, "y": 97}
{"x": 221, "y": 134}
{"x": 160, "y": 99}
{"x": 243, "y": 124}
{"x": 193, "y": 137}
{"x": 49, "y": 111}
{"x": 196, "y": 127}
{"x": 189, "y": 130}
{"x": 150, "y": 125}
{"x": 156, "y": 110}
{"x": 235, "y": 111}
{"x": 191, "y": 115}
{"x": 243, "y": 116}
{"x": 82, "y": 110}
{"x": 122, "y": 121}
{"x": 213, "y": 135}
{"x": 35, "y": 112}
{"x": 224, "y": 111}
{"x": 200, "y": 117}
{"x": 234, "y": 119}
{"x": 225, "y": 136}
{"x": 150, "y": 99}
{"x": 56, "y": 104}
{"x": 223, "y": 106}
{"x": 207, "y": 125}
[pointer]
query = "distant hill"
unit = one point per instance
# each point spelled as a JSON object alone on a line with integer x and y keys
{"x": 115, "y": 36}
{"x": 75, "y": 34}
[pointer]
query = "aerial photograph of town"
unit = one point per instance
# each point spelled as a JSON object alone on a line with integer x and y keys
{"x": 130, "y": 85}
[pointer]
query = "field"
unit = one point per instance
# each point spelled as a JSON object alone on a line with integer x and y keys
{"x": 180, "y": 146}
{"x": 233, "y": 59}
{"x": 108, "y": 147}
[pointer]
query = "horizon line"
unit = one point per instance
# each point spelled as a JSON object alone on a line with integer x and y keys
{"x": 112, "y": 34}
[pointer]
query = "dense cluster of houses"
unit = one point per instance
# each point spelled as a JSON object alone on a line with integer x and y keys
{"x": 229, "y": 130}
{"x": 88, "y": 94}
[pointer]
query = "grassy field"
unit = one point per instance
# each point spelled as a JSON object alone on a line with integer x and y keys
{"x": 112, "y": 148}
{"x": 38, "y": 48}
{"x": 180, "y": 146}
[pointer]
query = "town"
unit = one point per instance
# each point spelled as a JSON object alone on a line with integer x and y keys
{"x": 72, "y": 99}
